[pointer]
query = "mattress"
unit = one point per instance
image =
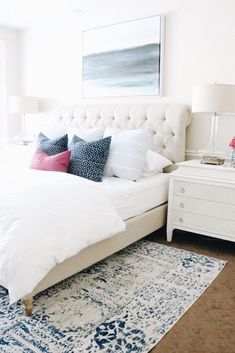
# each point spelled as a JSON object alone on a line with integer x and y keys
{"x": 132, "y": 198}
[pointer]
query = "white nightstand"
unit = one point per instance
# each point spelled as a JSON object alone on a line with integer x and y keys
{"x": 202, "y": 200}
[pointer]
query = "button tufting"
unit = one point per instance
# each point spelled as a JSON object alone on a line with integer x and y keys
{"x": 157, "y": 124}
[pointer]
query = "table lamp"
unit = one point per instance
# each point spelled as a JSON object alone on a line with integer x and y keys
{"x": 23, "y": 105}
{"x": 216, "y": 99}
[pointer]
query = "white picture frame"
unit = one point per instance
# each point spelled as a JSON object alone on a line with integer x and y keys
{"x": 124, "y": 59}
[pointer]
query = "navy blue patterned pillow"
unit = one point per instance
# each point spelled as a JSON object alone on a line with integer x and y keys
{"x": 52, "y": 146}
{"x": 74, "y": 140}
{"x": 88, "y": 158}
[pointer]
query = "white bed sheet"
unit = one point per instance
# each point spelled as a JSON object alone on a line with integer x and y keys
{"x": 133, "y": 198}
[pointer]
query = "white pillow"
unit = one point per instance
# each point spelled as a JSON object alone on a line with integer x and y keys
{"x": 127, "y": 153}
{"x": 87, "y": 135}
{"x": 52, "y": 132}
{"x": 154, "y": 164}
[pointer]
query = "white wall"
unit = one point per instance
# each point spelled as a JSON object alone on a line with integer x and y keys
{"x": 199, "y": 48}
{"x": 11, "y": 39}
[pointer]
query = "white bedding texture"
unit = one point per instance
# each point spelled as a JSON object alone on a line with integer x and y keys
{"x": 47, "y": 217}
{"x": 131, "y": 198}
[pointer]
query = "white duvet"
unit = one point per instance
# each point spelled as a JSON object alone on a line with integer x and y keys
{"x": 45, "y": 218}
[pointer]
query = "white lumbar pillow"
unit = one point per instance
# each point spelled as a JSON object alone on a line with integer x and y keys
{"x": 154, "y": 164}
{"x": 87, "y": 135}
{"x": 127, "y": 153}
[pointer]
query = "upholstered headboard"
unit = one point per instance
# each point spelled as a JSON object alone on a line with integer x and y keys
{"x": 166, "y": 122}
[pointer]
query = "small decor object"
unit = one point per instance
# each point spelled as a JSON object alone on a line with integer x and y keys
{"x": 212, "y": 160}
{"x": 232, "y": 144}
{"x": 123, "y": 59}
{"x": 216, "y": 99}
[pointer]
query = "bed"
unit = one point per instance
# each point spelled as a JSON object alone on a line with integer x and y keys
{"x": 142, "y": 209}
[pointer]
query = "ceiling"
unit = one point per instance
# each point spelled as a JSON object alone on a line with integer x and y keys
{"x": 21, "y": 14}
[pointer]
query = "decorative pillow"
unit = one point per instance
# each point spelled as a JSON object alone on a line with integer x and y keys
{"x": 75, "y": 139}
{"x": 154, "y": 164}
{"x": 127, "y": 153}
{"x": 88, "y": 158}
{"x": 52, "y": 146}
{"x": 56, "y": 163}
{"x": 87, "y": 135}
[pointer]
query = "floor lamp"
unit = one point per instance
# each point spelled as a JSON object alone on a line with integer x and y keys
{"x": 215, "y": 99}
{"x": 23, "y": 105}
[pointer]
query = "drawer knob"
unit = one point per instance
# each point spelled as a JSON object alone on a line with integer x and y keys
{"x": 181, "y": 220}
{"x": 181, "y": 205}
{"x": 182, "y": 190}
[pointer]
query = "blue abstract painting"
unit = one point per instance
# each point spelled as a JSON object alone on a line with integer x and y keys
{"x": 123, "y": 59}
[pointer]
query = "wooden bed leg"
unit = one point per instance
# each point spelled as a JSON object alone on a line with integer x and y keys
{"x": 169, "y": 234}
{"x": 27, "y": 303}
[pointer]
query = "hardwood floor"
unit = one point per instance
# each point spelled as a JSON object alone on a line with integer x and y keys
{"x": 209, "y": 326}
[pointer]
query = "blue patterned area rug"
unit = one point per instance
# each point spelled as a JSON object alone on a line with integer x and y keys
{"x": 123, "y": 304}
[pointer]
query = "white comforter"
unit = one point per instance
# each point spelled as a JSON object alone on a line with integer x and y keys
{"x": 45, "y": 218}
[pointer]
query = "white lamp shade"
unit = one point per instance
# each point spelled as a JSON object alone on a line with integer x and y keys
{"x": 213, "y": 98}
{"x": 23, "y": 105}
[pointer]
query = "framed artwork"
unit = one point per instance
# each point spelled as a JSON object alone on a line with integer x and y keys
{"x": 123, "y": 59}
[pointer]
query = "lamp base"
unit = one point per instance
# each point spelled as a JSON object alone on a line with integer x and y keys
{"x": 210, "y": 159}
{"x": 209, "y": 156}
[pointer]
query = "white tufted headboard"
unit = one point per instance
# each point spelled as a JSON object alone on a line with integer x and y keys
{"x": 166, "y": 122}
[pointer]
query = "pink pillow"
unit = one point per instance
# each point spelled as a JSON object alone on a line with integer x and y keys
{"x": 57, "y": 163}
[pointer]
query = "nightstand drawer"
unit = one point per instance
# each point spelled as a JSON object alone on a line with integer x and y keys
{"x": 205, "y": 191}
{"x": 196, "y": 222}
{"x": 204, "y": 207}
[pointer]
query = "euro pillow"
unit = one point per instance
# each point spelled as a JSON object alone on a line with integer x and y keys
{"x": 87, "y": 135}
{"x": 53, "y": 131}
{"x": 88, "y": 158}
{"x": 127, "y": 153}
{"x": 154, "y": 164}
{"x": 52, "y": 146}
{"x": 56, "y": 163}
